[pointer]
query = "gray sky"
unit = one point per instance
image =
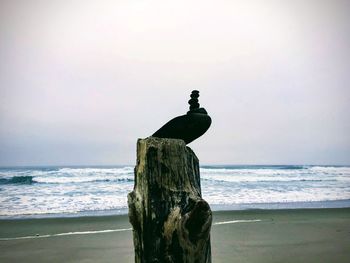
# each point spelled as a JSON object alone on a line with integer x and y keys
{"x": 80, "y": 81}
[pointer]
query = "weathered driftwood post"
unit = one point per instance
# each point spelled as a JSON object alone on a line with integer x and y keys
{"x": 171, "y": 222}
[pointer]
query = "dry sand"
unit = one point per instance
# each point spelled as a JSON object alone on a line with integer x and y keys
{"x": 312, "y": 235}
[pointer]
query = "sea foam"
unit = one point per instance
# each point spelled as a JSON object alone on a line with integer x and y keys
{"x": 75, "y": 190}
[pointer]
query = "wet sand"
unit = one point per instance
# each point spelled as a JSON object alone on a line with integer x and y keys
{"x": 296, "y": 235}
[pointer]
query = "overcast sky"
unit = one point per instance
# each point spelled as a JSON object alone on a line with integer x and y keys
{"x": 80, "y": 81}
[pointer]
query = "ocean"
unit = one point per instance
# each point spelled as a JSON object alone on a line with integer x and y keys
{"x": 79, "y": 191}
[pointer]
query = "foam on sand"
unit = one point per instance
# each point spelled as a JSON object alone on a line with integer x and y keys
{"x": 111, "y": 231}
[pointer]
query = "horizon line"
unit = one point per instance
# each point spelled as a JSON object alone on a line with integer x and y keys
{"x": 133, "y": 165}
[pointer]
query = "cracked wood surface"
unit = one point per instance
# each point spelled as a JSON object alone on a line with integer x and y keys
{"x": 171, "y": 222}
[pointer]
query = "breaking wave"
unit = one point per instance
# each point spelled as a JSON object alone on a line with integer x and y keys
{"x": 62, "y": 190}
{"x": 17, "y": 180}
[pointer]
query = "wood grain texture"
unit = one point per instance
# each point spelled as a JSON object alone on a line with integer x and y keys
{"x": 171, "y": 222}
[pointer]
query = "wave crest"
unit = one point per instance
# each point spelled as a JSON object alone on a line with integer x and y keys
{"x": 17, "y": 180}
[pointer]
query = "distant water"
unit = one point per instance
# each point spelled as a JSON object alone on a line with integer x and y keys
{"x": 64, "y": 191}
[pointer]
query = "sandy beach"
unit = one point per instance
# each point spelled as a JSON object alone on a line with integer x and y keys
{"x": 296, "y": 235}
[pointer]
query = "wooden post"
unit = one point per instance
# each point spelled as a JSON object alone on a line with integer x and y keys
{"x": 171, "y": 222}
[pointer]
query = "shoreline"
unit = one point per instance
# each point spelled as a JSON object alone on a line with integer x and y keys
{"x": 286, "y": 235}
{"x": 345, "y": 203}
